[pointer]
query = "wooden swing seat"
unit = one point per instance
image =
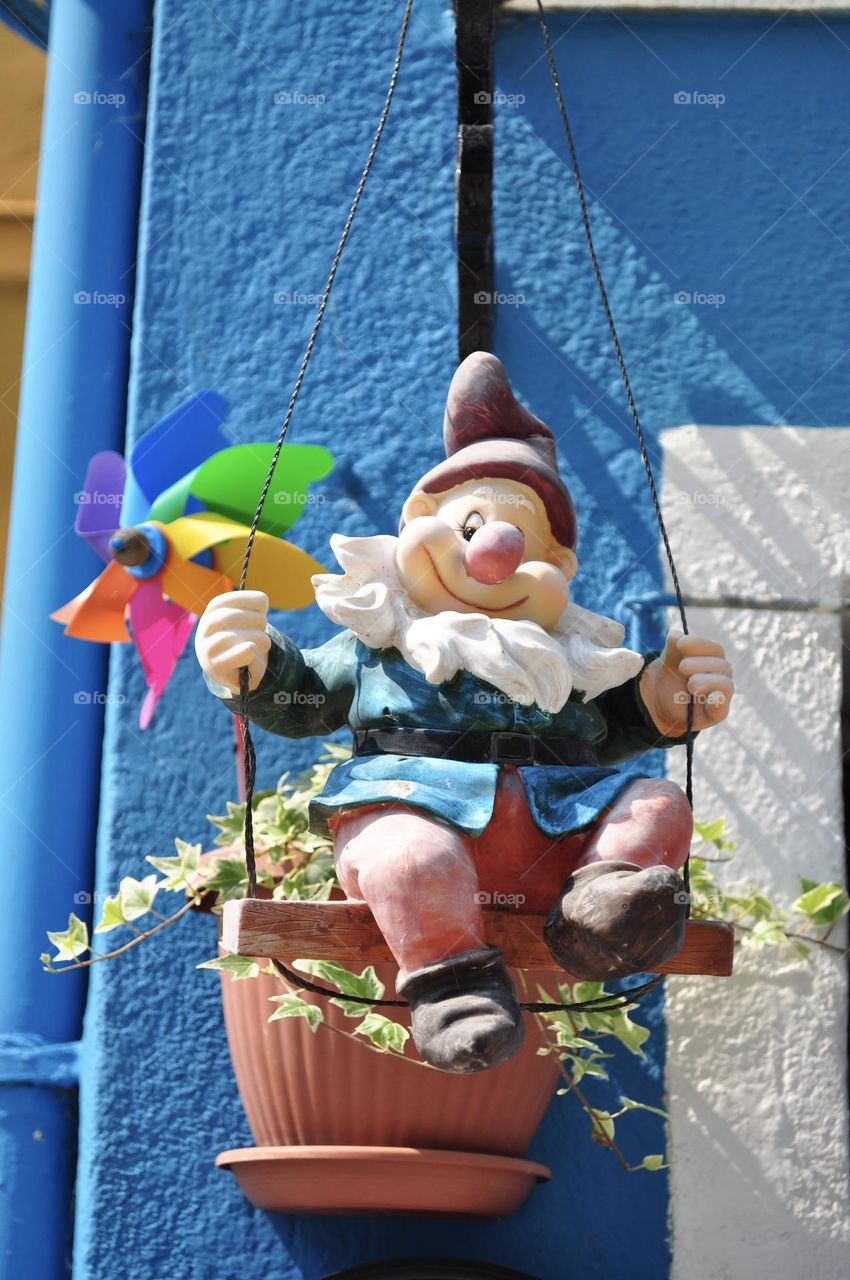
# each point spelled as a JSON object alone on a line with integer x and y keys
{"x": 347, "y": 933}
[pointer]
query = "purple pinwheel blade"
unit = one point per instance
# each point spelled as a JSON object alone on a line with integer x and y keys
{"x": 100, "y": 501}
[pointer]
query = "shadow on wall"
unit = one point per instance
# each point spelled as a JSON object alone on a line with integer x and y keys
{"x": 714, "y": 235}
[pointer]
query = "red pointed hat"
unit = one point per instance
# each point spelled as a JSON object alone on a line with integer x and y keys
{"x": 489, "y": 435}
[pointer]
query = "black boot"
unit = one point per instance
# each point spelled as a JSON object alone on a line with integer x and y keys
{"x": 615, "y": 919}
{"x": 464, "y": 1012}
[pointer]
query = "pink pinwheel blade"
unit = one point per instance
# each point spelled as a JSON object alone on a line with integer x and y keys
{"x": 100, "y": 501}
{"x": 160, "y": 631}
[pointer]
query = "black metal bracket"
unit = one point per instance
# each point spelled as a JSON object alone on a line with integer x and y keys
{"x": 474, "y": 31}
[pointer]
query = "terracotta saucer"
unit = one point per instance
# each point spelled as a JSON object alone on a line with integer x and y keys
{"x": 403, "y": 1180}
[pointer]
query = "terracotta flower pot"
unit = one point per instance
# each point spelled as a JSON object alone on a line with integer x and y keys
{"x": 343, "y": 1129}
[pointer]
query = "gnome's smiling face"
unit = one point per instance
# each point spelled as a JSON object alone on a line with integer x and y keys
{"x": 484, "y": 546}
{"x": 492, "y": 529}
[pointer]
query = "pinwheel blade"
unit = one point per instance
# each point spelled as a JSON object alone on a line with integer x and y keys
{"x": 98, "y": 612}
{"x": 160, "y": 631}
{"x": 190, "y": 535}
{"x": 179, "y": 443}
{"x": 100, "y": 501}
{"x": 280, "y": 569}
{"x": 191, "y": 585}
{"x": 230, "y": 482}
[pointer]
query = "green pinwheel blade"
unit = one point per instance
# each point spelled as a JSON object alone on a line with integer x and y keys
{"x": 231, "y": 481}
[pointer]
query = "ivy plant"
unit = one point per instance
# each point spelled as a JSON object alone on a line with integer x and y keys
{"x": 295, "y": 863}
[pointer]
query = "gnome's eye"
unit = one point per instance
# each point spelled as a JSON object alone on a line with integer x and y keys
{"x": 471, "y": 524}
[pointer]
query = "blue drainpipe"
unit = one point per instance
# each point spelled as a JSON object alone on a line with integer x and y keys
{"x": 27, "y": 18}
{"x": 74, "y": 385}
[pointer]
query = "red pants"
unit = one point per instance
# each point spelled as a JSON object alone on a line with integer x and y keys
{"x": 427, "y": 882}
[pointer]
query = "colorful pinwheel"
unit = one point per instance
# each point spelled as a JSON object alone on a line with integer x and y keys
{"x": 186, "y": 502}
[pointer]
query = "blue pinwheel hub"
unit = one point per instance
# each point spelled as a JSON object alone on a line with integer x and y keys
{"x": 157, "y": 549}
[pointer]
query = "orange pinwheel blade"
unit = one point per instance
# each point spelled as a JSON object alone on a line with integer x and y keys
{"x": 98, "y": 612}
{"x": 191, "y": 585}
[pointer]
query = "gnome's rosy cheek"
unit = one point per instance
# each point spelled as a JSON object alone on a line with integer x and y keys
{"x": 428, "y": 531}
{"x": 425, "y": 541}
{"x": 548, "y": 594}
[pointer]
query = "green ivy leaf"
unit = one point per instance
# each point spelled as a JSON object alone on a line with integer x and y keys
{"x": 112, "y": 916}
{"x": 602, "y": 1127}
{"x": 768, "y": 933}
{"x": 238, "y": 966}
{"x": 713, "y": 833}
{"x": 822, "y": 904}
{"x": 366, "y": 984}
{"x": 582, "y": 1067}
{"x": 579, "y": 1042}
{"x": 178, "y": 870}
{"x": 583, "y": 991}
{"x": 320, "y": 868}
{"x": 137, "y": 896}
{"x": 71, "y": 942}
{"x": 310, "y": 882}
{"x": 229, "y": 879}
{"x": 265, "y": 807}
{"x": 292, "y": 1006}
{"x": 385, "y": 1034}
{"x": 619, "y": 1024}
{"x": 351, "y": 1008}
{"x": 629, "y": 1104}
{"x": 616, "y": 1022}
{"x": 653, "y": 1163}
{"x": 231, "y": 825}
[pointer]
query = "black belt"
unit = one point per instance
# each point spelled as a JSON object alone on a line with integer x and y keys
{"x": 475, "y": 747}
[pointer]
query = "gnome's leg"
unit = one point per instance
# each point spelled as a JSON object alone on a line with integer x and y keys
{"x": 623, "y": 910}
{"x": 420, "y": 882}
{"x": 417, "y": 877}
{"x": 650, "y": 823}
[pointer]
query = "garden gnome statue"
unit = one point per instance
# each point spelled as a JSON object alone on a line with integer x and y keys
{"x": 489, "y": 713}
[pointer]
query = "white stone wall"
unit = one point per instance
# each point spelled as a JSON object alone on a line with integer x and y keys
{"x": 692, "y": 6}
{"x": 757, "y": 1064}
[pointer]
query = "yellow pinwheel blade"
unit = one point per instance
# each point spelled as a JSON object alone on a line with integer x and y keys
{"x": 191, "y": 585}
{"x": 283, "y": 571}
{"x": 280, "y": 569}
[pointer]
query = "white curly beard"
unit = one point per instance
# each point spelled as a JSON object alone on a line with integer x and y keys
{"x": 524, "y": 661}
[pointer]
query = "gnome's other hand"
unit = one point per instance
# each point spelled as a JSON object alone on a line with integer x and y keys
{"x": 231, "y": 635}
{"x": 689, "y": 665}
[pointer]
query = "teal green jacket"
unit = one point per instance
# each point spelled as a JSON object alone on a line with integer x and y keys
{"x": 344, "y": 682}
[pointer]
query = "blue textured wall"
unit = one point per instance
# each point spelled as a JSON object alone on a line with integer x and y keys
{"x": 244, "y": 200}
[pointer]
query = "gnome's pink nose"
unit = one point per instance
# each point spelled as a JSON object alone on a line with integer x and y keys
{"x": 494, "y": 552}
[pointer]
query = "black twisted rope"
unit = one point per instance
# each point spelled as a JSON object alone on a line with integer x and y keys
{"x": 610, "y": 1001}
{"x": 601, "y": 1004}
{"x": 250, "y": 758}
{"x": 621, "y": 364}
